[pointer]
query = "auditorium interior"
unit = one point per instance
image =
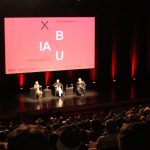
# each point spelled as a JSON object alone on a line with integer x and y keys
{"x": 119, "y": 81}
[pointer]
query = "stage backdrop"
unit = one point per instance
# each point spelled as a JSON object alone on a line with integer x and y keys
{"x": 49, "y": 44}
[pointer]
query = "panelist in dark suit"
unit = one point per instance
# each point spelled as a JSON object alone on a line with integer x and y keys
{"x": 80, "y": 87}
{"x": 58, "y": 88}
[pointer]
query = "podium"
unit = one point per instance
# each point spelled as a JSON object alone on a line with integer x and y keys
{"x": 47, "y": 92}
{"x": 33, "y": 93}
{"x": 69, "y": 90}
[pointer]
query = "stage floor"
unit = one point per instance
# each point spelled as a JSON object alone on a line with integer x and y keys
{"x": 94, "y": 100}
{"x": 24, "y": 103}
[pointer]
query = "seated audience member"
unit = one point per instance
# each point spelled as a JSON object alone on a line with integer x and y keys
{"x": 120, "y": 121}
{"x": 134, "y": 136}
{"x": 69, "y": 138}
{"x": 58, "y": 88}
{"x": 53, "y": 137}
{"x": 96, "y": 130}
{"x": 108, "y": 140}
{"x": 38, "y": 89}
{"x": 3, "y": 143}
{"x": 28, "y": 137}
{"x": 80, "y": 87}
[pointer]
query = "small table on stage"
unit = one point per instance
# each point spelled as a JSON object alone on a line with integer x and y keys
{"x": 69, "y": 90}
{"x": 47, "y": 92}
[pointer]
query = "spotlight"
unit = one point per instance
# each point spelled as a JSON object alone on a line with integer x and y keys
{"x": 134, "y": 78}
{"x": 114, "y": 80}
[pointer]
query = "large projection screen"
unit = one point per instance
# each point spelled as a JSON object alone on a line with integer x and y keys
{"x": 39, "y": 44}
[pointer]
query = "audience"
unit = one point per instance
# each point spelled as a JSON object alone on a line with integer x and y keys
{"x": 111, "y": 130}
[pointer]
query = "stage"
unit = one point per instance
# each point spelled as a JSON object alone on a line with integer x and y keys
{"x": 95, "y": 101}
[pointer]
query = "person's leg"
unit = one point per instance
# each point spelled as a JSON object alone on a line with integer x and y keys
{"x": 60, "y": 92}
{"x": 79, "y": 91}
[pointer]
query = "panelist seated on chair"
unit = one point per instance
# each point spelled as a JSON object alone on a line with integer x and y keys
{"x": 58, "y": 87}
{"x": 38, "y": 89}
{"x": 81, "y": 87}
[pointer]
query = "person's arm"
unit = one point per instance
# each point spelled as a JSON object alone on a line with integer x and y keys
{"x": 54, "y": 85}
{"x": 83, "y": 82}
{"x": 34, "y": 86}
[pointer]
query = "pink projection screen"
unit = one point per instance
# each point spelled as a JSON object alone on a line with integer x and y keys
{"x": 40, "y": 44}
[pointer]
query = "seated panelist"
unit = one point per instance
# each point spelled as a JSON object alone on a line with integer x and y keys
{"x": 38, "y": 89}
{"x": 58, "y": 88}
{"x": 80, "y": 87}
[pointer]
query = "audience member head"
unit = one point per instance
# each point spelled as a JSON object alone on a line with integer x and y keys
{"x": 134, "y": 136}
{"x": 111, "y": 126}
{"x": 26, "y": 137}
{"x": 79, "y": 80}
{"x": 56, "y": 126}
{"x": 120, "y": 121}
{"x": 81, "y": 124}
{"x": 96, "y": 125}
{"x": 36, "y": 82}
{"x": 3, "y": 136}
{"x": 69, "y": 138}
{"x": 40, "y": 122}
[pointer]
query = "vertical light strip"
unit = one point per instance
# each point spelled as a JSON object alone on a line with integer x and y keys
{"x": 47, "y": 78}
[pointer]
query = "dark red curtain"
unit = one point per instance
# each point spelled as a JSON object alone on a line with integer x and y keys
{"x": 134, "y": 47}
{"x": 47, "y": 78}
{"x": 21, "y": 80}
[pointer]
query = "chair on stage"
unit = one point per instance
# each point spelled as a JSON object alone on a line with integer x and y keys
{"x": 81, "y": 90}
{"x": 36, "y": 94}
